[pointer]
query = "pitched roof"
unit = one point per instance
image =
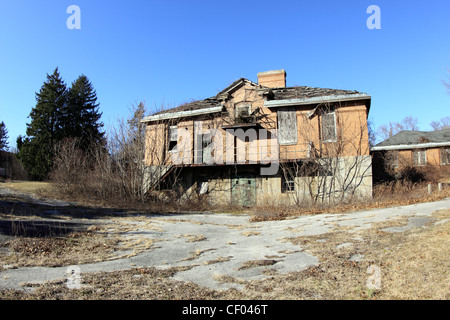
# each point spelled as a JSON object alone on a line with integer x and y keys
{"x": 415, "y": 139}
{"x": 284, "y": 93}
{"x": 209, "y": 102}
{"x": 308, "y": 92}
{"x": 190, "y": 106}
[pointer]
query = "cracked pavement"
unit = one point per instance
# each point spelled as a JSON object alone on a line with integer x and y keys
{"x": 220, "y": 246}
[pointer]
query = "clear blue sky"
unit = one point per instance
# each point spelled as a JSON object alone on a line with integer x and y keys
{"x": 170, "y": 52}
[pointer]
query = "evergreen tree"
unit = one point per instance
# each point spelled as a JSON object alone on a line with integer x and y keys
{"x": 82, "y": 114}
{"x": 3, "y": 137}
{"x": 60, "y": 113}
{"x": 45, "y": 129}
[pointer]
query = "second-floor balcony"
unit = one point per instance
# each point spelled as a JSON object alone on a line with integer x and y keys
{"x": 246, "y": 153}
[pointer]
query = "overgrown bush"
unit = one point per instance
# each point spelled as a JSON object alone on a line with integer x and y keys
{"x": 390, "y": 166}
{"x": 82, "y": 174}
{"x": 112, "y": 173}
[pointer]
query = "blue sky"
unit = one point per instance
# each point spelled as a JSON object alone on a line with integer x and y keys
{"x": 170, "y": 52}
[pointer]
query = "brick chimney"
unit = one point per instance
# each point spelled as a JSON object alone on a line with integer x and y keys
{"x": 272, "y": 79}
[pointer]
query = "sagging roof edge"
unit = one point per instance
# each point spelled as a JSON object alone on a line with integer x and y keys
{"x": 270, "y": 103}
{"x": 181, "y": 114}
{"x": 411, "y": 146}
{"x": 314, "y": 100}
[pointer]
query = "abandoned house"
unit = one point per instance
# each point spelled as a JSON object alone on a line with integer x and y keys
{"x": 262, "y": 143}
{"x": 411, "y": 148}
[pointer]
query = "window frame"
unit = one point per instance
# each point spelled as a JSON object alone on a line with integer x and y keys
{"x": 240, "y": 107}
{"x": 445, "y": 155}
{"x": 173, "y": 139}
{"x": 292, "y": 139}
{"x": 206, "y": 145}
{"x": 327, "y": 113}
{"x": 417, "y": 157}
{"x": 287, "y": 184}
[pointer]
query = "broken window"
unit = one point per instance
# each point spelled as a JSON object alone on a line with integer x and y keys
{"x": 204, "y": 187}
{"x": 173, "y": 138}
{"x": 287, "y": 127}
{"x": 288, "y": 173}
{"x": 329, "y": 125}
{"x": 206, "y": 140}
{"x": 445, "y": 156}
{"x": 242, "y": 111}
{"x": 420, "y": 157}
{"x": 243, "y": 114}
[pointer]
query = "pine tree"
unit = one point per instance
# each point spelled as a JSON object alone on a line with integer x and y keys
{"x": 82, "y": 114}
{"x": 3, "y": 137}
{"x": 60, "y": 113}
{"x": 45, "y": 129}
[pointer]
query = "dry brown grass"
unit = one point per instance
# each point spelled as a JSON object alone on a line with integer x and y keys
{"x": 250, "y": 233}
{"x": 33, "y": 187}
{"x": 75, "y": 248}
{"x": 193, "y": 237}
{"x": 419, "y": 268}
{"x": 138, "y": 283}
{"x": 257, "y": 263}
{"x": 96, "y": 243}
{"x": 195, "y": 254}
{"x": 396, "y": 193}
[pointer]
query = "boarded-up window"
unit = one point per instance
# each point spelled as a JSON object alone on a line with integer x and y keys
{"x": 287, "y": 127}
{"x": 329, "y": 126}
{"x": 420, "y": 157}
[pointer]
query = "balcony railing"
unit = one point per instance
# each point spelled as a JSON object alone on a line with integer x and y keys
{"x": 240, "y": 155}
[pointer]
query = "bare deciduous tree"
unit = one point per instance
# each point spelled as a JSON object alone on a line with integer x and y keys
{"x": 335, "y": 170}
{"x": 127, "y": 149}
{"x": 112, "y": 173}
{"x": 443, "y": 123}
{"x": 446, "y": 83}
{"x": 386, "y": 131}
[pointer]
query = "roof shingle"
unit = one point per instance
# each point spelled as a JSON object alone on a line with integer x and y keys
{"x": 283, "y": 93}
{"x": 308, "y": 92}
{"x": 417, "y": 137}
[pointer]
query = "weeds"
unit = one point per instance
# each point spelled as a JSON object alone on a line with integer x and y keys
{"x": 74, "y": 248}
{"x": 384, "y": 195}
